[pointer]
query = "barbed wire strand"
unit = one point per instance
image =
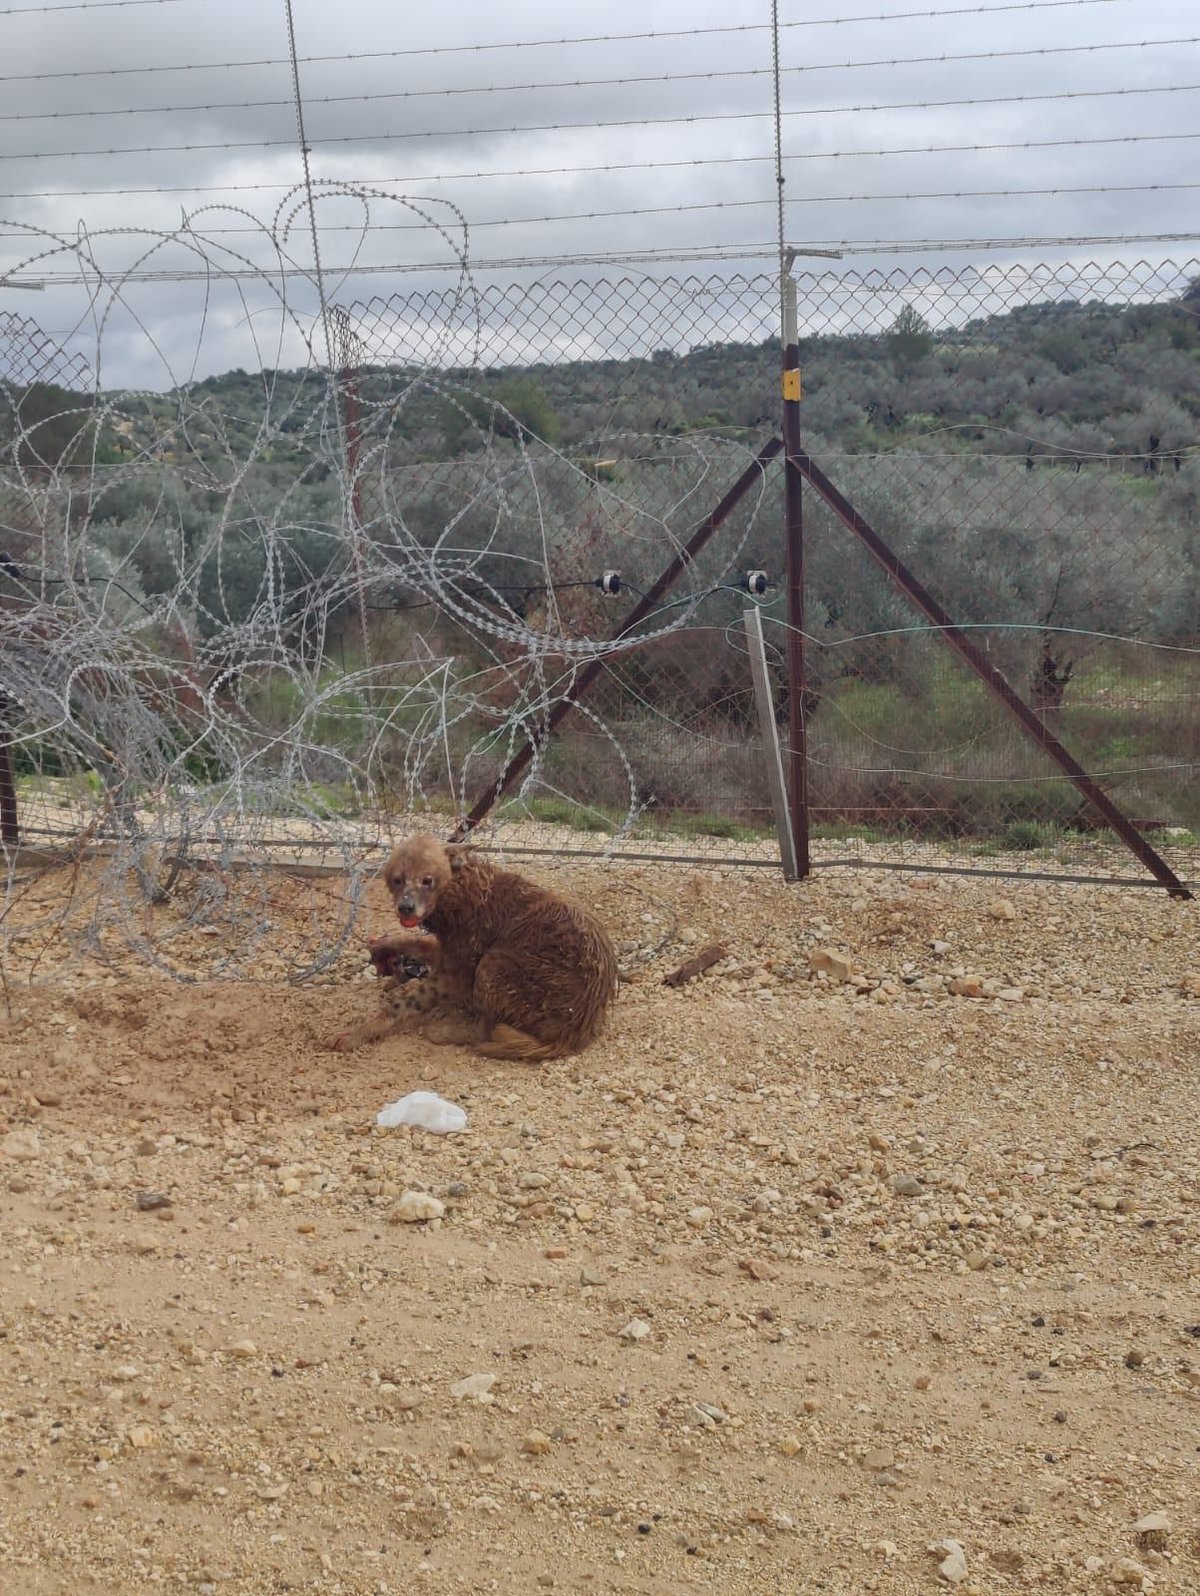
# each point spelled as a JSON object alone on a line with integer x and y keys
{"x": 537, "y": 44}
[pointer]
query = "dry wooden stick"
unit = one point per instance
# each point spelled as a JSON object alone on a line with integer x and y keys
{"x": 693, "y": 967}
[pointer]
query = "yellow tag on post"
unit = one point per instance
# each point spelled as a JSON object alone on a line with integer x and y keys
{"x": 791, "y": 385}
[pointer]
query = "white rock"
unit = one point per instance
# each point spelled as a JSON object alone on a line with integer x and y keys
{"x": 709, "y": 1410}
{"x": 23, "y": 1145}
{"x": 829, "y": 961}
{"x": 415, "y": 1206}
{"x": 635, "y": 1330}
{"x": 1129, "y": 1572}
{"x": 1152, "y": 1522}
{"x": 953, "y": 1568}
{"x": 477, "y": 1387}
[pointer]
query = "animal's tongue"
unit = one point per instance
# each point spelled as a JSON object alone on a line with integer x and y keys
{"x": 408, "y": 921}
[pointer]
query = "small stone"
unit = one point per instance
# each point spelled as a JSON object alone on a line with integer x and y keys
{"x": 1011, "y": 994}
{"x": 149, "y": 1201}
{"x": 717, "y": 1415}
{"x": 968, "y": 986}
{"x": 940, "y": 948}
{"x": 975, "y": 1260}
{"x": 141, "y": 1436}
{"x": 1135, "y": 1358}
{"x": 953, "y": 1567}
{"x": 758, "y": 1269}
{"x": 416, "y": 1206}
{"x": 922, "y": 1382}
{"x": 532, "y": 1180}
{"x": 243, "y": 1349}
{"x": 290, "y": 1186}
{"x": 697, "y": 1218}
{"x": 907, "y": 1186}
{"x": 879, "y": 1143}
{"x": 536, "y": 1444}
{"x": 592, "y": 1277}
{"x": 1127, "y": 1571}
{"x": 635, "y": 1330}
{"x": 1002, "y": 909}
{"x": 790, "y": 1446}
{"x": 22, "y": 1145}
{"x": 832, "y": 963}
{"x": 879, "y": 1457}
{"x": 126, "y": 1372}
{"x": 1152, "y": 1530}
{"x": 476, "y": 1387}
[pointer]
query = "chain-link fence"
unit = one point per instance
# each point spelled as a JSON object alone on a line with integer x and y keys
{"x": 292, "y": 610}
{"x": 1024, "y": 439}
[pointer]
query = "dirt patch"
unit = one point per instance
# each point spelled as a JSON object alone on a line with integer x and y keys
{"x": 788, "y": 1281}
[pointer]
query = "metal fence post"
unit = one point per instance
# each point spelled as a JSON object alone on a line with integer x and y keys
{"x": 764, "y": 699}
{"x": 794, "y": 532}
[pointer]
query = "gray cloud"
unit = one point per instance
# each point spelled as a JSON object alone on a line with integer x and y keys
{"x": 424, "y": 138}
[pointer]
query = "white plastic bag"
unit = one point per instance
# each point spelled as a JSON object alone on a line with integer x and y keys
{"x": 426, "y": 1109}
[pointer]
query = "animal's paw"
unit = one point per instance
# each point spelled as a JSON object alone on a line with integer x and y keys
{"x": 389, "y": 959}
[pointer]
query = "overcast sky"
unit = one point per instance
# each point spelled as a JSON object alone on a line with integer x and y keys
{"x": 419, "y": 116}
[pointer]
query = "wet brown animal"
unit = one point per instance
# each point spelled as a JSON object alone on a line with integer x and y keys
{"x": 540, "y": 970}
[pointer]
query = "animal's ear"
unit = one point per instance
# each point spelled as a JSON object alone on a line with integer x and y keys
{"x": 459, "y": 854}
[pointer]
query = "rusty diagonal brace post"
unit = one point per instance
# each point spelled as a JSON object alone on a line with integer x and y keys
{"x": 989, "y": 674}
{"x": 685, "y": 557}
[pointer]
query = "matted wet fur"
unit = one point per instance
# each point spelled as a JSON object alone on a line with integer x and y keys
{"x": 539, "y": 970}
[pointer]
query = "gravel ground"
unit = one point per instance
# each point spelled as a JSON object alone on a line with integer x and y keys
{"x": 866, "y": 1261}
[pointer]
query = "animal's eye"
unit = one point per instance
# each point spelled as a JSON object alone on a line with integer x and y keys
{"x": 427, "y": 881}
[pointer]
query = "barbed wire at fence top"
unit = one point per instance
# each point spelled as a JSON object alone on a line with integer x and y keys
{"x": 197, "y": 664}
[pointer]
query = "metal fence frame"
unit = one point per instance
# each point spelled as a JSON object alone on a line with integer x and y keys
{"x": 813, "y": 306}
